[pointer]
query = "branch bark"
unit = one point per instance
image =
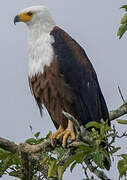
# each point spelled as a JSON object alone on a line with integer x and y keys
{"x": 27, "y": 150}
{"x": 122, "y": 110}
{"x": 44, "y": 146}
{"x": 95, "y": 171}
{"x": 8, "y": 145}
{"x": 26, "y": 168}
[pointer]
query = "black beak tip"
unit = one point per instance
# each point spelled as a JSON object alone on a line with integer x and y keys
{"x": 16, "y": 19}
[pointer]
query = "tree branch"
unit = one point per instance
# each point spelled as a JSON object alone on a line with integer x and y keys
{"x": 8, "y": 145}
{"x": 122, "y": 110}
{"x": 26, "y": 170}
{"x": 44, "y": 146}
{"x": 29, "y": 151}
{"x": 95, "y": 171}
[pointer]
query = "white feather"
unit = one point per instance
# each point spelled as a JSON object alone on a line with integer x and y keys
{"x": 40, "y": 54}
{"x": 39, "y": 39}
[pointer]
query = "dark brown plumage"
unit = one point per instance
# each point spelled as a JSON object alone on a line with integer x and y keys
{"x": 57, "y": 93}
{"x": 51, "y": 90}
{"x": 70, "y": 84}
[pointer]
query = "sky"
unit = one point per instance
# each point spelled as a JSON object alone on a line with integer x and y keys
{"x": 94, "y": 25}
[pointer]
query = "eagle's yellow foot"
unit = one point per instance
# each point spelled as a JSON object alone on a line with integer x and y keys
{"x": 56, "y": 134}
{"x": 69, "y": 132}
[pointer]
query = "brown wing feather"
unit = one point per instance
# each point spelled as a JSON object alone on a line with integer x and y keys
{"x": 51, "y": 90}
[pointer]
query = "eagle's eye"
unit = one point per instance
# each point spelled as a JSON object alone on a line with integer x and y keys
{"x": 29, "y": 13}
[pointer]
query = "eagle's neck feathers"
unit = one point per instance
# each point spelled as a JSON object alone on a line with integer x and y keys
{"x": 39, "y": 47}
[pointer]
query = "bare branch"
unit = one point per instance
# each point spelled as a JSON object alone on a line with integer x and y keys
{"x": 122, "y": 110}
{"x": 8, "y": 145}
{"x": 123, "y": 135}
{"x": 94, "y": 170}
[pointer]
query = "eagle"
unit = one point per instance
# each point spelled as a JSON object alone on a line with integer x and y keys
{"x": 61, "y": 76}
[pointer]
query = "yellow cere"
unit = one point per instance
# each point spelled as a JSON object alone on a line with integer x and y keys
{"x": 25, "y": 17}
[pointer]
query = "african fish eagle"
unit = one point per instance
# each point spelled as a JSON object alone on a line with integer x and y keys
{"x": 60, "y": 74}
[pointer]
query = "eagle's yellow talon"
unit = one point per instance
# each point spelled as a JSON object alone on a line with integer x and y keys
{"x": 52, "y": 141}
{"x": 73, "y": 136}
{"x": 67, "y": 134}
{"x": 64, "y": 134}
{"x": 54, "y": 136}
{"x": 60, "y": 135}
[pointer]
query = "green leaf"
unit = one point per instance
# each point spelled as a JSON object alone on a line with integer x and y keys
{"x": 45, "y": 159}
{"x": 114, "y": 150}
{"x": 78, "y": 157}
{"x": 12, "y": 159}
{"x": 48, "y": 135}
{"x": 85, "y": 149}
{"x": 93, "y": 124}
{"x": 54, "y": 178}
{"x": 124, "y": 7}
{"x": 16, "y": 159}
{"x": 120, "y": 121}
{"x": 103, "y": 122}
{"x": 60, "y": 151}
{"x": 31, "y": 141}
{"x": 60, "y": 171}
{"x": 102, "y": 130}
{"x": 14, "y": 173}
{"x": 122, "y": 167}
{"x": 4, "y": 154}
{"x": 122, "y": 29}
{"x": 72, "y": 166}
{"x": 37, "y": 134}
{"x": 98, "y": 159}
{"x": 40, "y": 141}
{"x": 124, "y": 19}
{"x": 124, "y": 156}
{"x": 106, "y": 156}
{"x": 52, "y": 168}
{"x": 69, "y": 161}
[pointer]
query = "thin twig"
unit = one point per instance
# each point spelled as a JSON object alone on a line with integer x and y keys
{"x": 121, "y": 94}
{"x": 123, "y": 135}
{"x": 94, "y": 170}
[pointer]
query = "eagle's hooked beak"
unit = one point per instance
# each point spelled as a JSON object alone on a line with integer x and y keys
{"x": 16, "y": 19}
{"x": 23, "y": 17}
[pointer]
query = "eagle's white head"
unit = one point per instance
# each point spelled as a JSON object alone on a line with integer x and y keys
{"x": 36, "y": 17}
{"x": 40, "y": 24}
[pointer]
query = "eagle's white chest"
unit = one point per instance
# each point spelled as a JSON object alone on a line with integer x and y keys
{"x": 40, "y": 54}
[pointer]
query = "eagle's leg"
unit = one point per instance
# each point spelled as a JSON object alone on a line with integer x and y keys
{"x": 56, "y": 134}
{"x": 68, "y": 132}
